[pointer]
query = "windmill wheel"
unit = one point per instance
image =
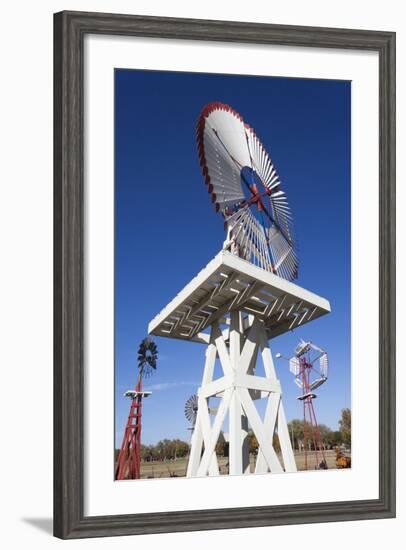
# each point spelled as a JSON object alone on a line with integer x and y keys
{"x": 246, "y": 190}
{"x": 147, "y": 357}
{"x": 191, "y": 407}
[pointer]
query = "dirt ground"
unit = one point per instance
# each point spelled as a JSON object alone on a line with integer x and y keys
{"x": 177, "y": 468}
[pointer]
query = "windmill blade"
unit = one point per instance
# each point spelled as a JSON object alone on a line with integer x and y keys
{"x": 223, "y": 153}
{"x": 324, "y": 365}
{"x": 246, "y": 190}
{"x": 294, "y": 366}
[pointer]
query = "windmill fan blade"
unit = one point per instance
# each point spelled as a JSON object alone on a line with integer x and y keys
{"x": 223, "y": 152}
{"x": 294, "y": 366}
{"x": 245, "y": 188}
{"x": 324, "y": 365}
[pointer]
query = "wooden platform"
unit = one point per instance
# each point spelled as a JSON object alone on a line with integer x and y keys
{"x": 229, "y": 283}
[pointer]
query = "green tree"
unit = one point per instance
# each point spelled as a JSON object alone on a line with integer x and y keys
{"x": 295, "y": 427}
{"x": 220, "y": 448}
{"x": 166, "y": 449}
{"x": 182, "y": 448}
{"x": 336, "y": 438}
{"x": 275, "y": 443}
{"x": 253, "y": 443}
{"x": 326, "y": 435}
{"x": 296, "y": 433}
{"x": 345, "y": 426}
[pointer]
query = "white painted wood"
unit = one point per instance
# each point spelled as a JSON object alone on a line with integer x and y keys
{"x": 211, "y": 354}
{"x": 265, "y": 442}
{"x": 176, "y": 319}
{"x": 206, "y": 430}
{"x": 202, "y": 426}
{"x": 212, "y": 389}
{"x": 266, "y": 354}
{"x": 222, "y": 350}
{"x": 235, "y": 338}
{"x": 235, "y": 412}
{"x": 196, "y": 447}
{"x": 285, "y": 442}
{"x": 256, "y": 383}
{"x": 239, "y": 387}
{"x": 240, "y": 348}
{"x": 271, "y": 413}
{"x": 250, "y": 346}
{"x": 235, "y": 436}
{"x": 245, "y": 444}
{"x": 215, "y": 432}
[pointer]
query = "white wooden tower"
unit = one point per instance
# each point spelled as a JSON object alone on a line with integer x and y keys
{"x": 235, "y": 308}
{"x": 242, "y": 299}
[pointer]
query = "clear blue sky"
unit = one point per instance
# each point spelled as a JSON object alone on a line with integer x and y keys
{"x": 167, "y": 230}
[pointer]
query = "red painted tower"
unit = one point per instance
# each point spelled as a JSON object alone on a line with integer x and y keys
{"x": 129, "y": 459}
{"x": 310, "y": 367}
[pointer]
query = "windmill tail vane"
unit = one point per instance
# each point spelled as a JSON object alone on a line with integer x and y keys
{"x": 129, "y": 458}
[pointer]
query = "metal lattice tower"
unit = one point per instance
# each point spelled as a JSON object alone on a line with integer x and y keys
{"x": 309, "y": 365}
{"x": 129, "y": 458}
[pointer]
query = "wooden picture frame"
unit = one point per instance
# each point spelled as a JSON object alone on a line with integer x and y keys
{"x": 70, "y": 29}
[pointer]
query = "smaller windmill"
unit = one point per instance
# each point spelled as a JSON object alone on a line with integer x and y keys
{"x": 191, "y": 407}
{"x": 309, "y": 366}
{"x": 129, "y": 458}
{"x": 191, "y": 410}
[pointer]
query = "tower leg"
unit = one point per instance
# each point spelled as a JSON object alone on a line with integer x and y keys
{"x": 196, "y": 447}
{"x": 238, "y": 388}
{"x": 276, "y": 406}
{"x": 235, "y": 436}
{"x": 236, "y": 412}
{"x": 129, "y": 458}
{"x": 245, "y": 445}
{"x": 203, "y": 420}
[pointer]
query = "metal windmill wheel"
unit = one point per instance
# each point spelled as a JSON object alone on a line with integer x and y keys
{"x": 147, "y": 357}
{"x": 317, "y": 365}
{"x": 246, "y": 190}
{"x": 191, "y": 408}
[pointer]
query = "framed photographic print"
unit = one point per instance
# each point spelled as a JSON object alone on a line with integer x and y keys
{"x": 224, "y": 274}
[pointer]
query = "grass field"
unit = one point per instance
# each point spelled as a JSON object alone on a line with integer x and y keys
{"x": 177, "y": 468}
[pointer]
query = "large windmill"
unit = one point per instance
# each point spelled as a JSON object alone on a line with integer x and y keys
{"x": 129, "y": 458}
{"x": 241, "y": 299}
{"x": 245, "y": 188}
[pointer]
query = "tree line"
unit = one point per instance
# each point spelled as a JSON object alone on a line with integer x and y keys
{"x": 331, "y": 438}
{"x": 171, "y": 449}
{"x": 166, "y": 449}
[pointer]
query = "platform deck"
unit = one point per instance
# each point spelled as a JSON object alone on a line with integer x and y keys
{"x": 229, "y": 283}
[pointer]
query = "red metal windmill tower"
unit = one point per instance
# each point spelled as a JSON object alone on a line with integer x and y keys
{"x": 310, "y": 367}
{"x": 129, "y": 459}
